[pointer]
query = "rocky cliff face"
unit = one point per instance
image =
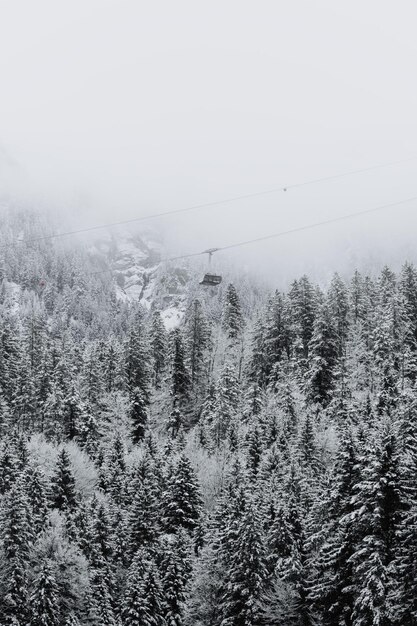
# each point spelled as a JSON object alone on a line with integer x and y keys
{"x": 142, "y": 275}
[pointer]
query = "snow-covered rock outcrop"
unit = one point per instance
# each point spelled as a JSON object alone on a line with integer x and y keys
{"x": 142, "y": 275}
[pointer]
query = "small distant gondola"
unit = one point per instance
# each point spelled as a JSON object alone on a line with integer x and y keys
{"x": 211, "y": 280}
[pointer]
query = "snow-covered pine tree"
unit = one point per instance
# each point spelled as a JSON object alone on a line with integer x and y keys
{"x": 143, "y": 599}
{"x": 339, "y": 307}
{"x": 232, "y": 318}
{"x": 198, "y": 343}
{"x": 332, "y": 591}
{"x": 226, "y": 402}
{"x": 180, "y": 376}
{"x": 44, "y": 599}
{"x": 303, "y": 309}
{"x": 9, "y": 466}
{"x": 322, "y": 357}
{"x": 182, "y": 499}
{"x": 143, "y": 520}
{"x": 14, "y": 605}
{"x": 138, "y": 415}
{"x": 63, "y": 492}
{"x": 138, "y": 365}
{"x": 246, "y": 574}
{"x": 159, "y": 347}
{"x": 175, "y": 568}
{"x": 378, "y": 508}
{"x": 36, "y": 490}
{"x": 278, "y": 330}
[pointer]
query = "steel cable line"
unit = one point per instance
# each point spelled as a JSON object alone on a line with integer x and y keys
{"x": 205, "y": 205}
{"x": 350, "y": 173}
{"x": 282, "y": 233}
{"x": 331, "y": 220}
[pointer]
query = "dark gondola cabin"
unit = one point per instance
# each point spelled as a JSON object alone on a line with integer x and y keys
{"x": 211, "y": 280}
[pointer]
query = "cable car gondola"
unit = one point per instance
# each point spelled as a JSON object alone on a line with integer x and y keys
{"x": 209, "y": 279}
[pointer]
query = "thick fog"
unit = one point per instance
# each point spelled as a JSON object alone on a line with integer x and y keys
{"x": 115, "y": 109}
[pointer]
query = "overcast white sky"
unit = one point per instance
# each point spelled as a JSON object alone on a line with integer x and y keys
{"x": 111, "y": 109}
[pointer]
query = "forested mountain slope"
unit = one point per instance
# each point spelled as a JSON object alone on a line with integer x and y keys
{"x": 254, "y": 463}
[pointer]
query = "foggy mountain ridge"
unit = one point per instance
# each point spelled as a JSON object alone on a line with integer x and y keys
{"x": 128, "y": 261}
{"x": 134, "y": 257}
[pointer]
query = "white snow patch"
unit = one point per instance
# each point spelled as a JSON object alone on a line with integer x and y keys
{"x": 172, "y": 317}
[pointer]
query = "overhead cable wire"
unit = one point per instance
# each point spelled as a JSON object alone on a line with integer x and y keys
{"x": 282, "y": 233}
{"x": 349, "y": 173}
{"x": 205, "y": 205}
{"x": 331, "y": 220}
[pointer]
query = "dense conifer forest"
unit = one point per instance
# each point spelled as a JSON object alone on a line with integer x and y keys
{"x": 254, "y": 465}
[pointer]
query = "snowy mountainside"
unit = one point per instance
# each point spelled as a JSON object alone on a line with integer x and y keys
{"x": 134, "y": 259}
{"x": 125, "y": 265}
{"x": 141, "y": 275}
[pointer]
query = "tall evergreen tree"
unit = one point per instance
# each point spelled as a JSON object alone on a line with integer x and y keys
{"x": 138, "y": 416}
{"x": 278, "y": 332}
{"x": 322, "y": 357}
{"x": 379, "y": 503}
{"x": 198, "y": 340}
{"x": 63, "y": 484}
{"x": 45, "y": 600}
{"x": 303, "y": 305}
{"x": 37, "y": 498}
{"x": 182, "y": 500}
{"x": 176, "y": 569}
{"x": 408, "y": 290}
{"x": 259, "y": 363}
{"x": 226, "y": 402}
{"x": 16, "y": 524}
{"x": 14, "y": 605}
{"x": 101, "y": 601}
{"x": 339, "y": 307}
{"x": 159, "y": 347}
{"x": 180, "y": 377}
{"x": 138, "y": 373}
{"x": 246, "y": 574}
{"x": 143, "y": 599}
{"x": 9, "y": 466}
{"x": 333, "y": 590}
{"x": 143, "y": 514}
{"x": 232, "y": 320}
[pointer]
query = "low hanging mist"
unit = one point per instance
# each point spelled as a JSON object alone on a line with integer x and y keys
{"x": 108, "y": 113}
